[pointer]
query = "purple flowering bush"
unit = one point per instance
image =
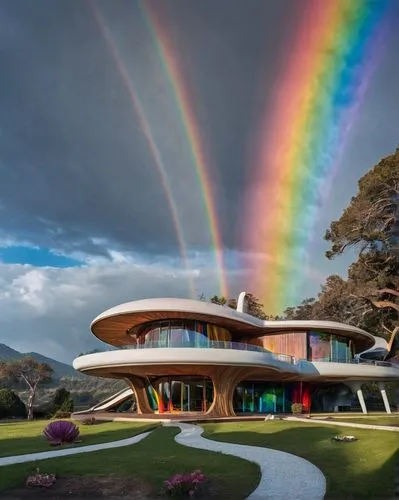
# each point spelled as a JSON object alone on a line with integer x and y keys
{"x": 61, "y": 432}
{"x": 42, "y": 480}
{"x": 184, "y": 484}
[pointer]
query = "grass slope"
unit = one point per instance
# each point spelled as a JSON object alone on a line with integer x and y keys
{"x": 363, "y": 469}
{"x": 153, "y": 460}
{"x": 18, "y": 438}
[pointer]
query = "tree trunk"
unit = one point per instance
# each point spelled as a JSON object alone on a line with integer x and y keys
{"x": 32, "y": 392}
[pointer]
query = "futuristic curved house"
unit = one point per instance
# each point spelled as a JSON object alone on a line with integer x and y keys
{"x": 181, "y": 355}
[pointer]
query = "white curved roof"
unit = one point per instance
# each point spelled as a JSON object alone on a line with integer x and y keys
{"x": 111, "y": 325}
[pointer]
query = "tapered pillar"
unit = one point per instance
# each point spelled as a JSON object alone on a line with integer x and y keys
{"x": 384, "y": 397}
{"x": 357, "y": 387}
{"x": 139, "y": 388}
{"x": 224, "y": 381}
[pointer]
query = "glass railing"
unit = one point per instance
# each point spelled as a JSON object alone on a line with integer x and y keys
{"x": 213, "y": 344}
{"x": 333, "y": 359}
{"x": 360, "y": 361}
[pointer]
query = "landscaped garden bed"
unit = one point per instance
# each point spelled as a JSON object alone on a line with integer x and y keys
{"x": 88, "y": 487}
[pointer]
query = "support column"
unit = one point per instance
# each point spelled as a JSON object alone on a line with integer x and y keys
{"x": 357, "y": 386}
{"x": 139, "y": 388}
{"x": 224, "y": 381}
{"x": 384, "y": 397}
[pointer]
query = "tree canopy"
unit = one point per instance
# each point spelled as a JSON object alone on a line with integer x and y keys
{"x": 369, "y": 221}
{"x": 255, "y": 307}
{"x": 369, "y": 297}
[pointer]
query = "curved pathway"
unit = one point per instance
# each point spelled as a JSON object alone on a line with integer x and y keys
{"x": 284, "y": 476}
{"x": 31, "y": 457}
{"x": 345, "y": 423}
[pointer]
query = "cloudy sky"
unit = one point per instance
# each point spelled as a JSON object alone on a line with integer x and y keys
{"x": 85, "y": 217}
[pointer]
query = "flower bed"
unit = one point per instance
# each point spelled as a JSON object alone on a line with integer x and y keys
{"x": 184, "y": 484}
{"x": 41, "y": 480}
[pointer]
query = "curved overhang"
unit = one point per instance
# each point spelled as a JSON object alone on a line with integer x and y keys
{"x": 379, "y": 350}
{"x": 349, "y": 371}
{"x": 155, "y": 361}
{"x": 113, "y": 325}
{"x": 195, "y": 361}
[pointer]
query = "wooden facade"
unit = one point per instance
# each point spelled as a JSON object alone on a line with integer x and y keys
{"x": 292, "y": 344}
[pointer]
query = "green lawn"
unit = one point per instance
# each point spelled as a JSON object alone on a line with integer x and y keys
{"x": 18, "y": 438}
{"x": 391, "y": 421}
{"x": 363, "y": 469}
{"x": 153, "y": 460}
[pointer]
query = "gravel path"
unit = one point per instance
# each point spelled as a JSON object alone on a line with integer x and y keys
{"x": 389, "y": 428}
{"x": 31, "y": 457}
{"x": 284, "y": 476}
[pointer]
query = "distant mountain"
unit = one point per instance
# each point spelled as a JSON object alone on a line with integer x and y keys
{"x": 60, "y": 369}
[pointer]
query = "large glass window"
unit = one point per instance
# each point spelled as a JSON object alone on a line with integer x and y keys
{"x": 262, "y": 397}
{"x": 177, "y": 394}
{"x": 179, "y": 333}
{"x": 328, "y": 347}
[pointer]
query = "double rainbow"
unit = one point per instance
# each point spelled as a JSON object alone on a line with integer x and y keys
{"x": 180, "y": 91}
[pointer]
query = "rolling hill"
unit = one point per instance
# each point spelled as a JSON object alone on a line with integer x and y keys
{"x": 60, "y": 369}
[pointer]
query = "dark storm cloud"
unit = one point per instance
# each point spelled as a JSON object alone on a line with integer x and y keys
{"x": 74, "y": 165}
{"x": 76, "y": 172}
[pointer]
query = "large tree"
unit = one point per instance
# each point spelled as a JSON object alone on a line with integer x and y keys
{"x": 370, "y": 225}
{"x": 28, "y": 371}
{"x": 369, "y": 221}
{"x": 303, "y": 312}
{"x": 369, "y": 297}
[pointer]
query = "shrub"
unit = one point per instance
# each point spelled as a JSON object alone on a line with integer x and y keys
{"x": 62, "y": 401}
{"x": 89, "y": 421}
{"x": 297, "y": 408}
{"x": 184, "y": 484}
{"x": 62, "y": 414}
{"x": 61, "y": 432}
{"x": 41, "y": 479}
{"x": 11, "y": 405}
{"x": 41, "y": 412}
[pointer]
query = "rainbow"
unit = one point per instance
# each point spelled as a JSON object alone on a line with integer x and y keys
{"x": 331, "y": 58}
{"x": 169, "y": 60}
{"x": 147, "y": 132}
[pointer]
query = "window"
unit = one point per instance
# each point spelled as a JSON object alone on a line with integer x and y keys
{"x": 181, "y": 333}
{"x": 328, "y": 347}
{"x": 340, "y": 349}
{"x": 319, "y": 346}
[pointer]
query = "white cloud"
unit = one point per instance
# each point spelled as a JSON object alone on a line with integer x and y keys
{"x": 49, "y": 310}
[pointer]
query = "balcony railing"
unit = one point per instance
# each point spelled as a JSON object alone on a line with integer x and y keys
{"x": 214, "y": 344}
{"x": 240, "y": 346}
{"x": 360, "y": 361}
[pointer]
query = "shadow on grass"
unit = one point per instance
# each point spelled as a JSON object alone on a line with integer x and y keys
{"x": 362, "y": 469}
{"x": 153, "y": 460}
{"x": 20, "y": 444}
